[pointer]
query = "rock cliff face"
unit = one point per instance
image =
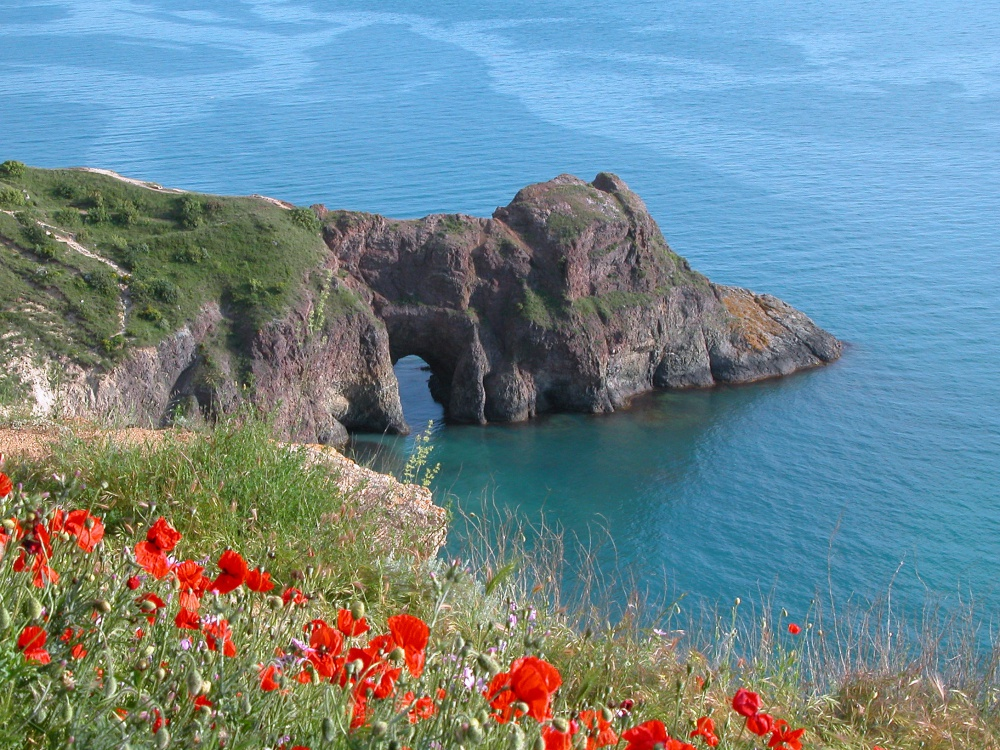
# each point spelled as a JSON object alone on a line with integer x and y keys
{"x": 568, "y": 299}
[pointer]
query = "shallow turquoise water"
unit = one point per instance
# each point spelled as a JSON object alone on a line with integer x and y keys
{"x": 844, "y": 158}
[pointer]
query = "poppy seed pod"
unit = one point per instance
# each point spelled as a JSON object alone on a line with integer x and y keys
{"x": 397, "y": 655}
{"x": 192, "y": 681}
{"x": 357, "y": 610}
{"x": 488, "y": 664}
{"x": 560, "y": 725}
{"x": 162, "y": 739}
{"x": 329, "y": 730}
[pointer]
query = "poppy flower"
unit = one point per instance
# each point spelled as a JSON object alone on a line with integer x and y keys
{"x": 347, "y": 625}
{"x": 187, "y": 620}
{"x": 218, "y": 633}
{"x": 152, "y": 559}
{"x": 268, "y": 681}
{"x": 293, "y": 596}
{"x": 784, "y": 737}
{"x": 705, "y": 728}
{"x": 411, "y": 634}
{"x": 158, "y": 721}
{"x": 760, "y": 723}
{"x": 530, "y": 680}
{"x": 746, "y": 703}
{"x": 556, "y": 740}
{"x": 163, "y": 535}
{"x": 133, "y": 583}
{"x": 156, "y": 602}
{"x": 417, "y": 709}
{"x": 87, "y": 528}
{"x": 234, "y": 572}
{"x": 32, "y": 643}
{"x": 646, "y": 736}
{"x": 6, "y": 486}
{"x": 794, "y": 629}
{"x": 259, "y": 581}
{"x": 600, "y": 733}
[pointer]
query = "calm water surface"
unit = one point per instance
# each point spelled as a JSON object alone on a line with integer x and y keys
{"x": 841, "y": 156}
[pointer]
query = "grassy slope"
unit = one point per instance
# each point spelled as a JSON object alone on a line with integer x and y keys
{"x": 181, "y": 251}
{"x": 850, "y": 688}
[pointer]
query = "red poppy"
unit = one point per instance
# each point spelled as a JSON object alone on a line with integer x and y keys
{"x": 411, "y": 634}
{"x": 600, "y": 733}
{"x": 347, "y": 625}
{"x": 293, "y": 596}
{"x": 418, "y": 708}
{"x": 259, "y": 581}
{"x": 785, "y": 738}
{"x": 705, "y": 728}
{"x": 323, "y": 638}
{"x": 133, "y": 583}
{"x": 646, "y": 736}
{"x": 42, "y": 572}
{"x": 163, "y": 535}
{"x": 6, "y": 486}
{"x": 746, "y": 703}
{"x": 268, "y": 681}
{"x": 158, "y": 721}
{"x": 218, "y": 633}
{"x": 155, "y": 601}
{"x": 794, "y": 629}
{"x": 760, "y": 723}
{"x": 32, "y": 643}
{"x": 530, "y": 680}
{"x": 187, "y": 620}
{"x": 234, "y": 572}
{"x": 151, "y": 559}
{"x": 556, "y": 740}
{"x": 78, "y": 651}
{"x": 87, "y": 528}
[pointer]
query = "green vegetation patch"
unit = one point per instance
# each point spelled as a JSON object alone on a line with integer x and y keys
{"x": 178, "y": 251}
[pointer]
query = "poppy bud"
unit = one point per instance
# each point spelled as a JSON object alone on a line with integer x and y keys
{"x": 162, "y": 739}
{"x": 397, "y": 655}
{"x": 89, "y": 522}
{"x": 206, "y": 687}
{"x": 64, "y": 536}
{"x": 483, "y": 716}
{"x": 35, "y": 609}
{"x": 394, "y": 745}
{"x": 161, "y": 674}
{"x": 379, "y": 728}
{"x": 274, "y": 602}
{"x": 205, "y": 711}
{"x": 192, "y": 681}
{"x": 357, "y": 610}
{"x": 737, "y": 602}
{"x": 329, "y": 730}
{"x": 40, "y": 714}
{"x": 539, "y": 743}
{"x": 66, "y": 714}
{"x": 315, "y": 678}
{"x": 148, "y": 606}
{"x": 102, "y": 605}
{"x": 606, "y": 713}
{"x": 518, "y": 737}
{"x": 8, "y": 524}
{"x": 142, "y": 665}
{"x": 521, "y": 707}
{"x": 110, "y": 686}
{"x": 488, "y": 664}
{"x": 560, "y": 725}
{"x": 31, "y": 517}
{"x": 4, "y": 618}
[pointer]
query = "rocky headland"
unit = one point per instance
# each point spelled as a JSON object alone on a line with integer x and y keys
{"x": 567, "y": 299}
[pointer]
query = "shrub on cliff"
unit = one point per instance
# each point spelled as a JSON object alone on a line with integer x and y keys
{"x": 15, "y": 170}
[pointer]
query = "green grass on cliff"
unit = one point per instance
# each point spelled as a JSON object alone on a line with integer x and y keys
{"x": 854, "y": 679}
{"x": 178, "y": 251}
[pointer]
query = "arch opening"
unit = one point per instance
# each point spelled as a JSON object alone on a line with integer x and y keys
{"x": 416, "y": 393}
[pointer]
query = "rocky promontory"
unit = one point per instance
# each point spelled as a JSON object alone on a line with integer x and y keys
{"x": 567, "y": 299}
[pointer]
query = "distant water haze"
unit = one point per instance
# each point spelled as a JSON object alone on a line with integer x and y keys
{"x": 842, "y": 156}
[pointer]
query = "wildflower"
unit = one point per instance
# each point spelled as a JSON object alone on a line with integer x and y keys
{"x": 419, "y": 708}
{"x": 187, "y": 620}
{"x": 411, "y": 634}
{"x": 600, "y": 732}
{"x": 349, "y": 625}
{"x": 32, "y": 643}
{"x": 705, "y": 728}
{"x": 760, "y": 724}
{"x": 234, "y": 572}
{"x": 556, "y": 740}
{"x": 292, "y": 596}
{"x": 6, "y": 486}
{"x": 794, "y": 629}
{"x": 218, "y": 633}
{"x": 150, "y": 604}
{"x": 531, "y": 681}
{"x": 133, "y": 583}
{"x": 652, "y": 735}
{"x": 259, "y": 581}
{"x": 785, "y": 738}
{"x": 87, "y": 528}
{"x": 268, "y": 681}
{"x": 746, "y": 703}
{"x": 151, "y": 553}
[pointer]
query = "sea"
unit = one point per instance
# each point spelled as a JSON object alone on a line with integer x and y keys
{"x": 844, "y": 157}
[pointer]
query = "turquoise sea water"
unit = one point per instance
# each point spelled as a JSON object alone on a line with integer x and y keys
{"x": 845, "y": 157}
